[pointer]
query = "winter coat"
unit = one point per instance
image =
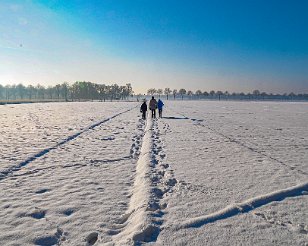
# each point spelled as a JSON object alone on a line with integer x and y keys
{"x": 143, "y": 107}
{"x": 153, "y": 104}
{"x": 160, "y": 104}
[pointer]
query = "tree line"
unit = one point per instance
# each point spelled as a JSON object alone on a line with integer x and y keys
{"x": 80, "y": 90}
{"x": 219, "y": 95}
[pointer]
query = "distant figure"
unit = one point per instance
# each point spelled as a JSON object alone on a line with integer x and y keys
{"x": 143, "y": 109}
{"x": 160, "y": 105}
{"x": 153, "y": 107}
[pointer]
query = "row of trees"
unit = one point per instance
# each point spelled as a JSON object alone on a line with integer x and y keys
{"x": 77, "y": 91}
{"x": 255, "y": 95}
{"x": 88, "y": 90}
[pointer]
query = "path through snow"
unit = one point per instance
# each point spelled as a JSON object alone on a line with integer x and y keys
{"x": 153, "y": 182}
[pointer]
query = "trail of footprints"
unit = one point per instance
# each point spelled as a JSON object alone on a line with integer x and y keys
{"x": 116, "y": 228}
{"x": 163, "y": 176}
{"x": 137, "y": 140}
{"x": 166, "y": 128}
{"x": 162, "y": 184}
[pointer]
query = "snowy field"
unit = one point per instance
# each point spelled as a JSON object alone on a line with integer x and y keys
{"x": 208, "y": 173}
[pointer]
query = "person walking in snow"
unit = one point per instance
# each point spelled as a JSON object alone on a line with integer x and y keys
{"x": 160, "y": 105}
{"x": 153, "y": 107}
{"x": 143, "y": 109}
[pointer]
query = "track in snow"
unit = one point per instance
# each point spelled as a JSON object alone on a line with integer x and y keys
{"x": 154, "y": 180}
{"x": 198, "y": 122}
{"x": 246, "y": 206}
{"x": 8, "y": 171}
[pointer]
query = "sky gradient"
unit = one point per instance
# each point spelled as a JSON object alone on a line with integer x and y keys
{"x": 219, "y": 45}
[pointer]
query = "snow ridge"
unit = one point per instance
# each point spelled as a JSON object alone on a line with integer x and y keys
{"x": 246, "y": 206}
{"x": 137, "y": 223}
{"x": 153, "y": 180}
{"x": 8, "y": 171}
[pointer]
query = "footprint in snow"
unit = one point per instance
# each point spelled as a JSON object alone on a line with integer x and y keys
{"x": 108, "y": 138}
{"x": 68, "y": 211}
{"x": 162, "y": 156}
{"x": 46, "y": 241}
{"x": 91, "y": 238}
{"x": 38, "y": 214}
{"x": 41, "y": 191}
{"x": 50, "y": 240}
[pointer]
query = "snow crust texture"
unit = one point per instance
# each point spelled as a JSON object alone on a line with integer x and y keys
{"x": 208, "y": 173}
{"x": 242, "y": 173}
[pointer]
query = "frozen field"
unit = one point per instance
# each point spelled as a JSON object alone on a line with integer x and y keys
{"x": 208, "y": 173}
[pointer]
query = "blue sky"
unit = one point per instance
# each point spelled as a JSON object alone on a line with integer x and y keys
{"x": 222, "y": 45}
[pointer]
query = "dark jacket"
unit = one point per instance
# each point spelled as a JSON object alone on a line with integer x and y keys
{"x": 153, "y": 104}
{"x": 143, "y": 107}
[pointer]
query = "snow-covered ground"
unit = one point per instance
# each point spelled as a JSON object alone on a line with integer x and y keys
{"x": 208, "y": 173}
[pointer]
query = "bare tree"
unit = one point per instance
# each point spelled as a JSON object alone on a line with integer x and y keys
{"x": 21, "y": 90}
{"x": 12, "y": 91}
{"x": 242, "y": 95}
{"x": 182, "y": 92}
{"x": 198, "y": 93}
{"x": 219, "y": 94}
{"x": 40, "y": 91}
{"x": 115, "y": 91}
{"x": 102, "y": 91}
{"x": 205, "y": 93}
{"x": 7, "y": 92}
{"x": 50, "y": 91}
{"x": 129, "y": 90}
{"x": 65, "y": 90}
{"x": 174, "y": 92}
{"x": 263, "y": 95}
{"x": 167, "y": 91}
{"x": 292, "y": 95}
{"x": 159, "y": 92}
{"x": 151, "y": 91}
{"x": 212, "y": 93}
{"x": 58, "y": 90}
{"x": 256, "y": 93}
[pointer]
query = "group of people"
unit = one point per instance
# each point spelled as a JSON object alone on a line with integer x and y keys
{"x": 153, "y": 105}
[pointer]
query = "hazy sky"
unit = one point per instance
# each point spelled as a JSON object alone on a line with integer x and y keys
{"x": 221, "y": 45}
